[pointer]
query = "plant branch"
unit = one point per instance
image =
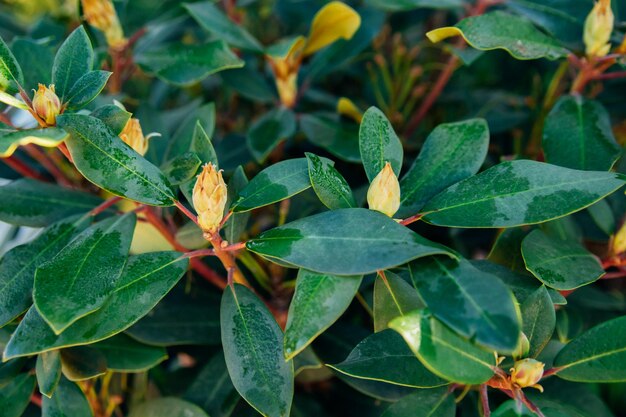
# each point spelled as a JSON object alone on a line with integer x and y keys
{"x": 484, "y": 401}
{"x": 21, "y": 168}
{"x": 186, "y": 212}
{"x": 38, "y": 155}
{"x": 411, "y": 219}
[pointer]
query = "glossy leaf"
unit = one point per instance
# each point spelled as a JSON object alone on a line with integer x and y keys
{"x": 235, "y": 226}
{"x": 125, "y": 354}
{"x": 184, "y": 65}
{"x": 167, "y": 407}
{"x": 319, "y": 300}
{"x": 111, "y": 164}
{"x": 68, "y": 400}
{"x": 182, "y": 168}
{"x": 145, "y": 280}
{"x": 517, "y": 193}
{"x": 10, "y": 71}
{"x": 432, "y": 403}
{"x": 442, "y": 351}
{"x": 269, "y": 130}
{"x": 193, "y": 134}
{"x": 452, "y": 152}
{"x": 385, "y": 357}
{"x": 80, "y": 278}
{"x": 379, "y": 144}
{"x": 331, "y": 188}
{"x": 501, "y": 30}
{"x": 15, "y": 396}
{"x": 393, "y": 297}
{"x": 344, "y": 242}
{"x": 577, "y": 134}
{"x": 339, "y": 138}
{"x": 73, "y": 60}
{"x": 28, "y": 202}
{"x": 484, "y": 308}
{"x": 36, "y": 61}
{"x": 254, "y": 355}
{"x": 552, "y": 261}
{"x": 50, "y": 137}
{"x": 17, "y": 267}
{"x": 598, "y": 355}
{"x": 48, "y": 372}
{"x": 86, "y": 89}
{"x": 539, "y": 320}
{"x": 114, "y": 117}
{"x": 82, "y": 362}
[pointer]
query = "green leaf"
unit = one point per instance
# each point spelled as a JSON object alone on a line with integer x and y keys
{"x": 507, "y": 249}
{"x": 501, "y": 30}
{"x": 36, "y": 58}
{"x": 476, "y": 304}
{"x": 10, "y": 71}
{"x": 552, "y": 261}
{"x": 379, "y": 144}
{"x": 254, "y": 355}
{"x": 182, "y": 168}
{"x": 329, "y": 185}
{"x": 17, "y": 267}
{"x": 539, "y": 320}
{"x": 451, "y": 153}
{"x": 86, "y": 89}
{"x": 80, "y": 278}
{"x": 319, "y": 300}
{"x": 518, "y": 193}
{"x": 167, "y": 407}
{"x": 109, "y": 163}
{"x": 344, "y": 242}
{"x": 269, "y": 130}
{"x": 602, "y": 215}
{"x": 183, "y": 65}
{"x": 27, "y": 202}
{"x": 48, "y": 372}
{"x": 275, "y": 183}
{"x": 442, "y": 351}
{"x": 125, "y": 354}
{"x": 50, "y": 137}
{"x": 393, "y": 297}
{"x": 577, "y": 134}
{"x": 145, "y": 280}
{"x": 428, "y": 402}
{"x": 235, "y": 226}
{"x": 338, "y": 137}
{"x": 114, "y": 117}
{"x": 15, "y": 396}
{"x": 384, "y": 357}
{"x": 219, "y": 25}
{"x": 189, "y": 137}
{"x": 598, "y": 355}
{"x": 82, "y": 362}
{"x": 68, "y": 401}
{"x": 201, "y": 143}
{"x": 73, "y": 60}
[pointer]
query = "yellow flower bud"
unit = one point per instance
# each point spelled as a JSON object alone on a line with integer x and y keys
{"x": 527, "y": 372}
{"x": 384, "y": 192}
{"x": 618, "y": 243}
{"x": 347, "y": 108}
{"x": 102, "y": 15}
{"x": 133, "y": 136}
{"x": 523, "y": 347}
{"x": 285, "y": 70}
{"x": 598, "y": 29}
{"x": 209, "y": 199}
{"x": 47, "y": 104}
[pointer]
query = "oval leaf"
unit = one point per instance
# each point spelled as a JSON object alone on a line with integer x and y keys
{"x": 68, "y": 400}
{"x": 167, "y": 407}
{"x": 539, "y": 320}
{"x": 73, "y": 60}
{"x": 10, "y": 71}
{"x": 379, "y": 144}
{"x": 125, "y": 354}
{"x": 428, "y": 402}
{"x": 331, "y": 188}
{"x": 393, "y": 297}
{"x": 15, "y": 395}
{"x": 86, "y": 89}
{"x": 48, "y": 372}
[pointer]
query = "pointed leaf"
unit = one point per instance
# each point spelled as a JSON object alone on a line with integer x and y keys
{"x": 68, "y": 401}
{"x": 82, "y": 362}
{"x": 50, "y": 137}
{"x": 114, "y": 117}
{"x": 15, "y": 396}
{"x": 73, "y": 60}
{"x": 125, "y": 354}
{"x": 329, "y": 185}
{"x": 428, "y": 402}
{"x": 182, "y": 168}
{"x": 86, "y": 89}
{"x": 10, "y": 71}
{"x": 539, "y": 320}
{"x": 235, "y": 226}
{"x": 379, "y": 144}
{"x": 393, "y": 297}
{"x": 48, "y": 372}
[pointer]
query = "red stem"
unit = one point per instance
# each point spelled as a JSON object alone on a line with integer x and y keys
{"x": 39, "y": 156}
{"x": 484, "y": 401}
{"x": 186, "y": 212}
{"x": 21, "y": 168}
{"x": 104, "y": 206}
{"x": 411, "y": 219}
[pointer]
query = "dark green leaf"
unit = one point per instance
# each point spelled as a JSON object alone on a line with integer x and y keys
{"x": 50, "y": 137}
{"x": 269, "y": 130}
{"x": 235, "y": 226}
{"x": 182, "y": 168}
{"x": 331, "y": 188}
{"x": 319, "y": 300}
{"x": 403, "y": 5}
{"x": 36, "y": 58}
{"x": 15, "y": 396}
{"x": 10, "y": 71}
{"x": 393, "y": 297}
{"x": 125, "y": 354}
{"x": 188, "y": 132}
{"x": 145, "y": 280}
{"x": 254, "y": 355}
{"x": 48, "y": 372}
{"x": 86, "y": 89}
{"x": 109, "y": 163}
{"x": 73, "y": 60}
{"x": 552, "y": 261}
{"x": 451, "y": 153}
{"x": 339, "y": 138}
{"x": 68, "y": 401}
{"x": 384, "y": 357}
{"x": 344, "y": 242}
{"x": 379, "y": 144}
{"x": 81, "y": 277}
{"x": 82, "y": 362}
{"x": 167, "y": 407}
{"x": 577, "y": 134}
{"x": 602, "y": 215}
{"x": 27, "y": 202}
{"x": 201, "y": 144}
{"x": 517, "y": 193}
{"x": 507, "y": 249}
{"x": 114, "y": 117}
{"x": 539, "y": 320}
{"x": 476, "y": 304}
{"x": 428, "y": 403}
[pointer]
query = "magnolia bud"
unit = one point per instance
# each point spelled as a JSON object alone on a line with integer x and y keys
{"x": 598, "y": 29}
{"x": 384, "y": 192}
{"x": 47, "y": 104}
{"x": 527, "y": 372}
{"x": 523, "y": 347}
{"x": 209, "y": 199}
{"x": 102, "y": 15}
{"x": 133, "y": 136}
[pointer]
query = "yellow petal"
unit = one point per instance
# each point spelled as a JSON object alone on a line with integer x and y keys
{"x": 347, "y": 108}
{"x": 335, "y": 20}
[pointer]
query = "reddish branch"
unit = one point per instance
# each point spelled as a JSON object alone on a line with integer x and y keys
{"x": 21, "y": 168}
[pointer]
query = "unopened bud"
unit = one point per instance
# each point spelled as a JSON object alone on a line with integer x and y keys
{"x": 523, "y": 347}
{"x": 133, "y": 136}
{"x": 102, "y": 15}
{"x": 598, "y": 29}
{"x": 526, "y": 373}
{"x": 47, "y": 104}
{"x": 209, "y": 199}
{"x": 384, "y": 192}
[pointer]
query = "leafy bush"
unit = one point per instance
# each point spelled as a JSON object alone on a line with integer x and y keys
{"x": 184, "y": 221}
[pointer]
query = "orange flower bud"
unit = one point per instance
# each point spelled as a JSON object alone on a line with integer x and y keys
{"x": 133, "y": 136}
{"x": 598, "y": 29}
{"x": 209, "y": 199}
{"x": 527, "y": 372}
{"x": 47, "y": 104}
{"x": 384, "y": 192}
{"x": 102, "y": 15}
